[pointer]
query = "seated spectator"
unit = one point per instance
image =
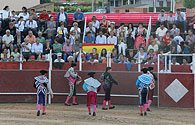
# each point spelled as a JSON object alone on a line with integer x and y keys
{"x": 131, "y": 36}
{"x": 46, "y": 47}
{"x": 174, "y": 30}
{"x": 8, "y": 41}
{"x": 18, "y": 39}
{"x": 102, "y": 28}
{"x": 6, "y": 16}
{"x": 95, "y": 22}
{"x": 20, "y": 24}
{"x": 24, "y": 14}
{"x": 60, "y": 37}
{"x": 174, "y": 62}
{"x": 122, "y": 59}
{"x": 112, "y": 39}
{"x": 57, "y": 47}
{"x": 151, "y": 38}
{"x": 1, "y": 30}
{"x": 83, "y": 53}
{"x": 141, "y": 30}
{"x": 123, "y": 29}
{"x": 178, "y": 38}
{"x": 122, "y": 43}
{"x": 62, "y": 17}
{"x": 67, "y": 49}
{"x": 31, "y": 37}
{"x": 102, "y": 55}
{"x": 73, "y": 37}
{"x": 130, "y": 60}
{"x": 105, "y": 61}
{"x": 112, "y": 29}
{"x": 42, "y": 39}
{"x": 139, "y": 40}
{"x": 63, "y": 30}
{"x": 185, "y": 62}
{"x": 79, "y": 18}
{"x": 26, "y": 48}
{"x": 161, "y": 31}
{"x": 104, "y": 22}
{"x": 94, "y": 54}
{"x": 149, "y": 61}
{"x": 114, "y": 56}
{"x": 51, "y": 26}
{"x": 101, "y": 39}
{"x": 141, "y": 55}
{"x": 92, "y": 60}
{"x": 76, "y": 29}
{"x": 59, "y": 58}
{"x": 75, "y": 48}
{"x": 31, "y": 25}
{"x": 43, "y": 58}
{"x": 174, "y": 46}
{"x": 43, "y": 18}
{"x": 37, "y": 48}
{"x": 162, "y": 19}
{"x": 170, "y": 20}
{"x": 89, "y": 38}
{"x": 5, "y": 55}
{"x": 180, "y": 19}
{"x": 16, "y": 55}
{"x": 186, "y": 50}
{"x": 11, "y": 59}
{"x": 152, "y": 54}
{"x": 12, "y": 29}
{"x": 91, "y": 29}
{"x": 50, "y": 38}
{"x": 83, "y": 58}
{"x": 33, "y": 14}
{"x": 32, "y": 58}
{"x": 166, "y": 38}
{"x": 153, "y": 46}
{"x": 190, "y": 38}
{"x": 70, "y": 59}
{"x": 14, "y": 16}
{"x": 1, "y": 43}
{"x": 192, "y": 23}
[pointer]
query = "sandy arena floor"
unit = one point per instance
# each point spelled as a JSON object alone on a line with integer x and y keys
{"x": 58, "y": 114}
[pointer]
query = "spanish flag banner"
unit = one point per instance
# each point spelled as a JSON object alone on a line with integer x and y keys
{"x": 87, "y": 47}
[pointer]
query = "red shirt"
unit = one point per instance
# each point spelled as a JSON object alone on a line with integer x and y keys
{"x": 167, "y": 40}
{"x": 44, "y": 16}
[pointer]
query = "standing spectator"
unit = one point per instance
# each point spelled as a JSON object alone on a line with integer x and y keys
{"x": 141, "y": 30}
{"x": 18, "y": 39}
{"x": 112, "y": 39}
{"x": 102, "y": 55}
{"x": 79, "y": 18}
{"x": 73, "y": 37}
{"x": 12, "y": 29}
{"x": 89, "y": 38}
{"x": 166, "y": 38}
{"x": 162, "y": 19}
{"x": 131, "y": 36}
{"x": 67, "y": 49}
{"x": 180, "y": 19}
{"x": 161, "y": 31}
{"x": 31, "y": 25}
{"x": 37, "y": 48}
{"x": 153, "y": 46}
{"x": 190, "y": 38}
{"x": 24, "y": 14}
{"x": 76, "y": 29}
{"x": 101, "y": 39}
{"x": 15, "y": 54}
{"x": 104, "y": 22}
{"x": 91, "y": 29}
{"x": 5, "y": 55}
{"x": 112, "y": 29}
{"x": 8, "y": 41}
{"x": 59, "y": 58}
{"x": 43, "y": 18}
{"x": 170, "y": 20}
{"x": 42, "y": 39}
{"x": 174, "y": 30}
{"x": 122, "y": 43}
{"x": 141, "y": 55}
{"x": 26, "y": 48}
{"x": 51, "y": 26}
{"x": 31, "y": 37}
{"x": 62, "y": 17}
{"x": 95, "y": 22}
{"x": 20, "y": 24}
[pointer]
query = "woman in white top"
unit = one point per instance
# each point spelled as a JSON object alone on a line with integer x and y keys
{"x": 142, "y": 55}
{"x": 76, "y": 29}
{"x": 73, "y": 37}
{"x": 16, "y": 54}
{"x": 64, "y": 30}
{"x": 24, "y": 14}
{"x": 95, "y": 22}
{"x": 20, "y": 24}
{"x": 6, "y": 13}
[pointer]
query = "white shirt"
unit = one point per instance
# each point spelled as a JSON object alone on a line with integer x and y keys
{"x": 6, "y": 14}
{"x": 24, "y": 17}
{"x": 7, "y": 39}
{"x": 96, "y": 24}
{"x": 61, "y": 60}
{"x": 171, "y": 19}
{"x": 180, "y": 19}
{"x": 20, "y": 25}
{"x": 65, "y": 31}
{"x": 76, "y": 31}
{"x": 162, "y": 18}
{"x": 112, "y": 40}
{"x": 37, "y": 48}
{"x": 62, "y": 17}
{"x": 100, "y": 40}
{"x": 161, "y": 32}
{"x": 77, "y": 54}
{"x": 178, "y": 39}
{"x": 93, "y": 29}
{"x": 24, "y": 49}
{"x": 32, "y": 24}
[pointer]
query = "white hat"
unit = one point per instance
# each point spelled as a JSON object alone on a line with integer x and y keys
{"x": 62, "y": 8}
{"x": 59, "y": 54}
{"x": 69, "y": 57}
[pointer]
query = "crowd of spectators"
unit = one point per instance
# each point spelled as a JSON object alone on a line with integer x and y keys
{"x": 29, "y": 37}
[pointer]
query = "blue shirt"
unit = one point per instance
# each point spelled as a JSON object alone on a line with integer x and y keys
{"x": 78, "y": 17}
{"x": 180, "y": 19}
{"x": 89, "y": 40}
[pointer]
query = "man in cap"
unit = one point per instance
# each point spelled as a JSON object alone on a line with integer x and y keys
{"x": 108, "y": 81}
{"x": 142, "y": 83}
{"x": 59, "y": 58}
{"x": 41, "y": 84}
{"x": 91, "y": 86}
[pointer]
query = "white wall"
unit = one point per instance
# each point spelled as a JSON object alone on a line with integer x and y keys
{"x": 18, "y": 4}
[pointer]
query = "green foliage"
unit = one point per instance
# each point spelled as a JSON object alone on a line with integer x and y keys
{"x": 45, "y": 1}
{"x": 189, "y": 4}
{"x": 72, "y": 9}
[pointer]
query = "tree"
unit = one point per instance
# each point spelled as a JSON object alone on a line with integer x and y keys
{"x": 189, "y": 4}
{"x": 45, "y": 1}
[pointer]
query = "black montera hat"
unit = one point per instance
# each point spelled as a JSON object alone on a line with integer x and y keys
{"x": 150, "y": 68}
{"x": 91, "y": 74}
{"x": 43, "y": 72}
{"x": 144, "y": 70}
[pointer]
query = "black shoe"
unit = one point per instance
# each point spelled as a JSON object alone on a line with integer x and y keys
{"x": 94, "y": 114}
{"x": 141, "y": 114}
{"x": 75, "y": 103}
{"x": 89, "y": 113}
{"x": 38, "y": 113}
{"x": 148, "y": 109}
{"x": 145, "y": 113}
{"x": 66, "y": 104}
{"x": 112, "y": 107}
{"x": 104, "y": 109}
{"x": 44, "y": 113}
